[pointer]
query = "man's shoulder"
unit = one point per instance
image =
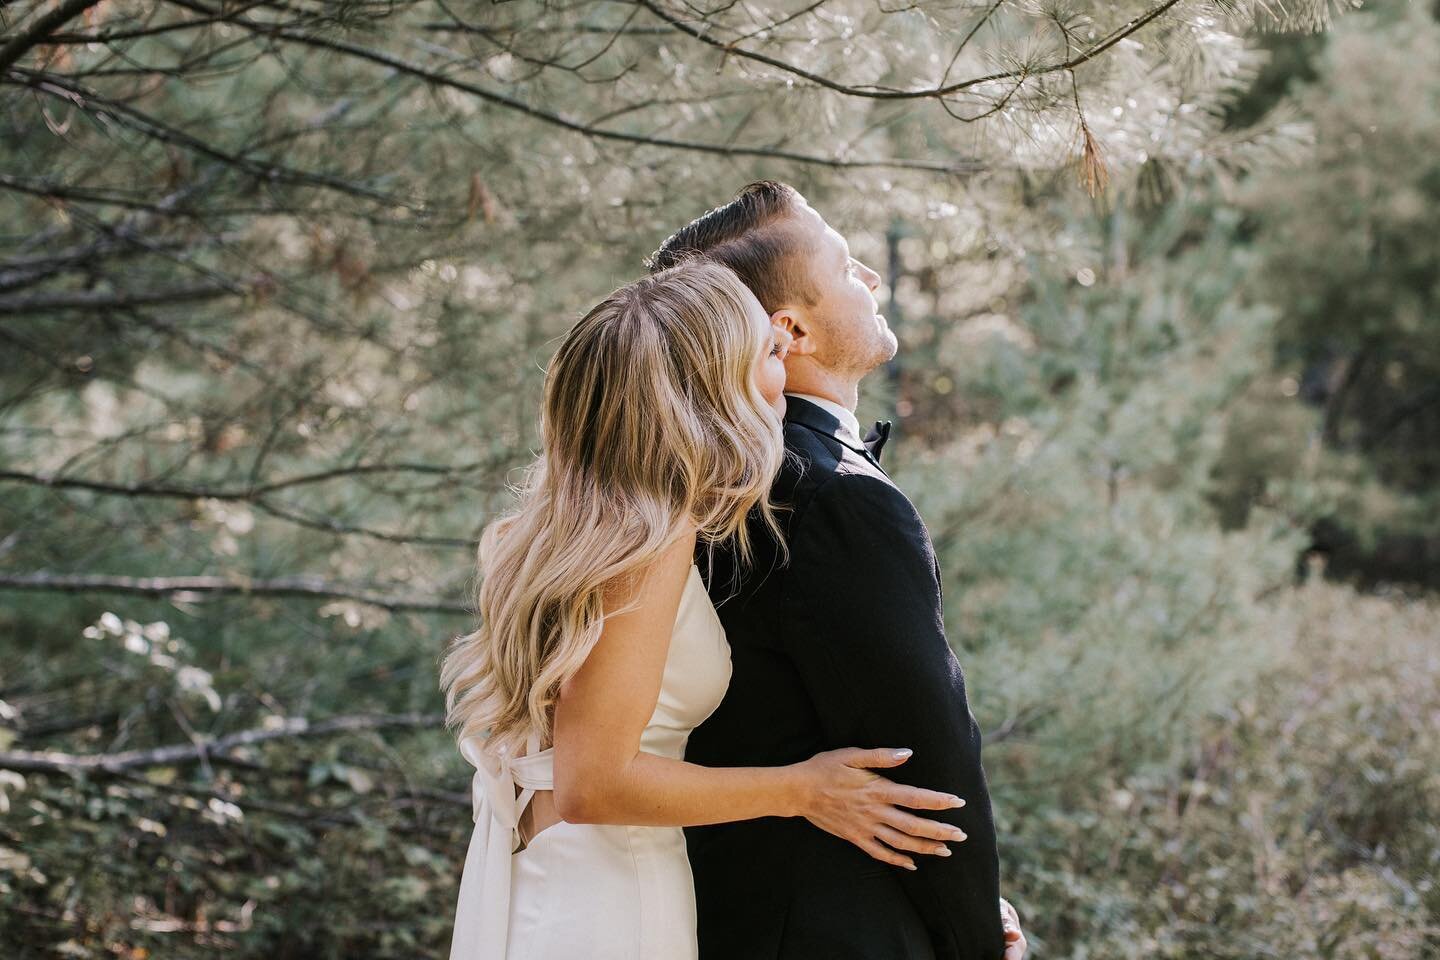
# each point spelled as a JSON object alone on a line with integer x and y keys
{"x": 815, "y": 460}
{"x": 818, "y": 465}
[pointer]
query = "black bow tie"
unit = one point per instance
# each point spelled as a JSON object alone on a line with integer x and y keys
{"x": 875, "y": 439}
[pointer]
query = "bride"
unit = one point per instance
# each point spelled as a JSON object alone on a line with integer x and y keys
{"x": 599, "y": 650}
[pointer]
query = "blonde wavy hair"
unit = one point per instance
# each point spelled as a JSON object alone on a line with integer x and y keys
{"x": 652, "y": 425}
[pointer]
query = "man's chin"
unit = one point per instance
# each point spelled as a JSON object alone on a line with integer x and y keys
{"x": 884, "y": 352}
{"x": 890, "y": 345}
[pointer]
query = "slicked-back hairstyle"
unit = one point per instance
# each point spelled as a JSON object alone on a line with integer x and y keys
{"x": 753, "y": 235}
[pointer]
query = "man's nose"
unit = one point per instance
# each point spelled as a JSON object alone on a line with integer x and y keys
{"x": 872, "y": 278}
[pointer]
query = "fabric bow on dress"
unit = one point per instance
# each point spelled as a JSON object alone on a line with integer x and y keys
{"x": 482, "y": 916}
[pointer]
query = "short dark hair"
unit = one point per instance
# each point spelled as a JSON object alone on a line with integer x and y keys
{"x": 752, "y": 235}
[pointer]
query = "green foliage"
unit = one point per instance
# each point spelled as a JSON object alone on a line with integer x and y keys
{"x": 276, "y": 299}
{"x": 1300, "y": 820}
{"x": 1076, "y": 538}
{"x": 1348, "y": 254}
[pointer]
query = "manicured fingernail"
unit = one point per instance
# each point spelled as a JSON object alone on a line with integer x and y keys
{"x": 943, "y": 852}
{"x": 909, "y": 866}
{"x": 956, "y": 802}
{"x": 903, "y": 753}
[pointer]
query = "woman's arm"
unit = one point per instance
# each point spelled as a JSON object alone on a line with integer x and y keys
{"x": 602, "y": 776}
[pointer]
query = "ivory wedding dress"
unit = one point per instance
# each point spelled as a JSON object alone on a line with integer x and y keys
{"x": 591, "y": 891}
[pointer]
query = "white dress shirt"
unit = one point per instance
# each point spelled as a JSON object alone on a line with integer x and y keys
{"x": 848, "y": 424}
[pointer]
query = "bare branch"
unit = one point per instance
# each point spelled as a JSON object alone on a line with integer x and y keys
{"x": 40, "y": 30}
{"x": 83, "y": 98}
{"x": 242, "y": 493}
{"x": 257, "y": 495}
{"x": 105, "y": 300}
{"x": 291, "y": 727}
{"x": 21, "y": 272}
{"x": 110, "y": 36}
{"x": 331, "y": 525}
{"x": 295, "y": 586}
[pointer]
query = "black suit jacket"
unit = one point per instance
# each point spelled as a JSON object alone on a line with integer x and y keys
{"x": 844, "y": 646}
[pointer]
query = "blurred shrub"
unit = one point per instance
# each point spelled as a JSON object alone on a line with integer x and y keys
{"x": 1302, "y": 821}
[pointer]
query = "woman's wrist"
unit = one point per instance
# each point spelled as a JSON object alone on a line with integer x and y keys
{"x": 794, "y": 790}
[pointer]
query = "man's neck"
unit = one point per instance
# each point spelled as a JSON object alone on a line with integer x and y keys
{"x": 846, "y": 393}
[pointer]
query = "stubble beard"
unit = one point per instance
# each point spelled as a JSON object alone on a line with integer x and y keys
{"x": 861, "y": 360}
{"x": 886, "y": 346}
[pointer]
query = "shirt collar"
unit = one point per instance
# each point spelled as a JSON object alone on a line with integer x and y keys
{"x": 848, "y": 424}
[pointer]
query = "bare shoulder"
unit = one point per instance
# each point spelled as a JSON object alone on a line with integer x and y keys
{"x": 639, "y": 615}
{"x": 657, "y": 584}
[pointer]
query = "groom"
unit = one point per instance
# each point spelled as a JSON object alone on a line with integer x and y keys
{"x": 842, "y": 645}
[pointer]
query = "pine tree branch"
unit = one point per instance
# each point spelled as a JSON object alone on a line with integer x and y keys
{"x": 875, "y": 92}
{"x": 965, "y": 165}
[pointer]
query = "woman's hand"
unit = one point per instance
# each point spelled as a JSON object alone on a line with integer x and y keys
{"x": 840, "y": 795}
{"x": 1015, "y": 945}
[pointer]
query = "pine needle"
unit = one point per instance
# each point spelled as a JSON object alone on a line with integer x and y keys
{"x": 1094, "y": 175}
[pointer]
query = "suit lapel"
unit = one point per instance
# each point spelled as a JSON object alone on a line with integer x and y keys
{"x": 802, "y": 411}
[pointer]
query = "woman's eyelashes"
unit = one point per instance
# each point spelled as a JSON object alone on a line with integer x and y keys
{"x": 780, "y": 340}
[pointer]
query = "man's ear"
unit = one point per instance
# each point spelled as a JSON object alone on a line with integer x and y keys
{"x": 790, "y": 320}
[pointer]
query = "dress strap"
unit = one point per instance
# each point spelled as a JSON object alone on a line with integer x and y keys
{"x": 482, "y": 915}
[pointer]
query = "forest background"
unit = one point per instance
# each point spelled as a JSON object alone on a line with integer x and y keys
{"x": 278, "y": 281}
